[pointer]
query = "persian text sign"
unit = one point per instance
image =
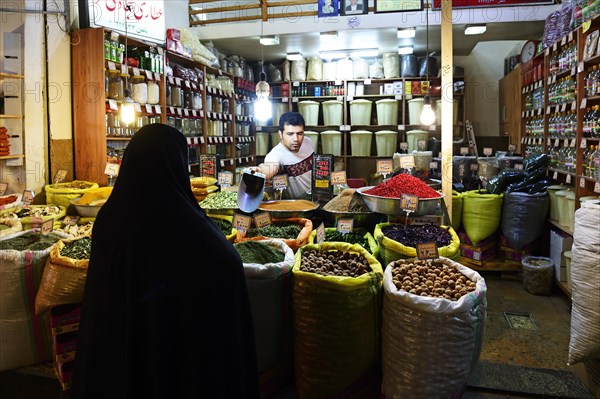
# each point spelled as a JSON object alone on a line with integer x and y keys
{"x": 489, "y": 3}
{"x": 145, "y": 19}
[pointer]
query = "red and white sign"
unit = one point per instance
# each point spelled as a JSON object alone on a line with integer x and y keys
{"x": 489, "y": 3}
{"x": 145, "y": 18}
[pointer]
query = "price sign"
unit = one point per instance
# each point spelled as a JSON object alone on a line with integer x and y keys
{"x": 548, "y": 109}
{"x": 284, "y": 99}
{"x": 27, "y": 196}
{"x": 433, "y": 165}
{"x": 320, "y": 234}
{"x": 556, "y": 142}
{"x": 3, "y": 187}
{"x": 294, "y": 99}
{"x": 464, "y": 150}
{"x": 573, "y": 105}
{"x": 568, "y": 179}
{"x": 241, "y": 222}
{"x": 136, "y": 71}
{"x": 519, "y": 166}
{"x": 555, "y": 175}
{"x": 409, "y": 203}
{"x": 474, "y": 166}
{"x": 225, "y": 178}
{"x": 124, "y": 69}
{"x": 549, "y": 143}
{"x": 280, "y": 182}
{"x": 407, "y": 162}
{"x": 367, "y": 82}
{"x": 112, "y": 104}
{"x": 582, "y": 182}
{"x": 563, "y": 41}
{"x": 580, "y": 66}
{"x": 385, "y": 166}
{"x": 487, "y": 151}
{"x": 112, "y": 169}
{"x": 112, "y": 66}
{"x": 421, "y": 145}
{"x": 523, "y": 140}
{"x": 208, "y": 165}
{"x": 427, "y": 250}
{"x": 571, "y": 36}
{"x": 350, "y": 98}
{"x": 566, "y": 143}
{"x": 345, "y": 226}
{"x": 573, "y": 141}
{"x": 70, "y": 220}
{"x": 583, "y": 143}
{"x": 296, "y": 83}
{"x": 60, "y": 175}
{"x": 597, "y": 187}
{"x": 262, "y": 219}
{"x": 47, "y": 227}
{"x": 404, "y": 146}
{"x": 319, "y": 183}
{"x": 583, "y": 103}
{"x": 148, "y": 108}
{"x": 338, "y": 177}
{"x": 573, "y": 70}
{"x": 563, "y": 107}
{"x": 157, "y": 109}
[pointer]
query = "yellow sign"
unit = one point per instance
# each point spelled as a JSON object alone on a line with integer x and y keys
{"x": 586, "y": 26}
{"x": 345, "y": 225}
{"x": 262, "y": 219}
{"x": 409, "y": 203}
{"x": 427, "y": 250}
{"x": 241, "y": 222}
{"x": 338, "y": 177}
{"x": 321, "y": 183}
{"x": 385, "y": 166}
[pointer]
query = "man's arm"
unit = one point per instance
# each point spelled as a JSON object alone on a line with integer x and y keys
{"x": 269, "y": 169}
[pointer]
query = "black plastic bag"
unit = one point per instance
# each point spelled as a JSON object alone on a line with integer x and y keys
{"x": 523, "y": 217}
{"x": 498, "y": 183}
{"x": 540, "y": 186}
{"x": 537, "y": 162}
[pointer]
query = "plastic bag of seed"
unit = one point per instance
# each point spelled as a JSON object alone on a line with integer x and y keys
{"x": 336, "y": 296}
{"x": 63, "y": 280}
{"x": 430, "y": 344}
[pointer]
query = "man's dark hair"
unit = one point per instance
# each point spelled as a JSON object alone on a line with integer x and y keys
{"x": 292, "y": 119}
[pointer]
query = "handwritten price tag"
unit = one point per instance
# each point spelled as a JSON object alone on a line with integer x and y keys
{"x": 404, "y": 146}
{"x": 47, "y": 227}
{"x": 583, "y": 143}
{"x": 512, "y": 147}
{"x": 60, "y": 175}
{"x": 345, "y": 226}
{"x": 320, "y": 234}
{"x": 582, "y": 182}
{"x": 320, "y": 183}
{"x": 3, "y": 187}
{"x": 241, "y": 222}
{"x": 338, "y": 177}
{"x": 421, "y": 144}
{"x": 487, "y": 151}
{"x": 112, "y": 169}
{"x": 225, "y": 178}
{"x": 409, "y": 203}
{"x": 27, "y": 196}
{"x": 70, "y": 220}
{"x": 433, "y": 165}
{"x": 385, "y": 166}
{"x": 464, "y": 150}
{"x": 427, "y": 250}
{"x": 262, "y": 219}
{"x": 568, "y": 179}
{"x": 280, "y": 182}
{"x": 597, "y": 187}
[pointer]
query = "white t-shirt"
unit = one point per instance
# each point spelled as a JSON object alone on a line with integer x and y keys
{"x": 297, "y": 165}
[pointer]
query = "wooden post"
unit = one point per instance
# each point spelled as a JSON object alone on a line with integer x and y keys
{"x": 447, "y": 102}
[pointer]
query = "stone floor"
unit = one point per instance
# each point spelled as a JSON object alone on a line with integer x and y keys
{"x": 545, "y": 346}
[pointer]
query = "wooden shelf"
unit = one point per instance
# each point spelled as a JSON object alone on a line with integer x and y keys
{"x": 563, "y": 286}
{"x": 561, "y": 227}
{"x": 6, "y": 116}
{"x": 5, "y": 75}
{"x": 16, "y": 156}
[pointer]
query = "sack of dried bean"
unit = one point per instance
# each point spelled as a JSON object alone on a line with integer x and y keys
{"x": 304, "y": 224}
{"x": 430, "y": 345}
{"x": 336, "y": 298}
{"x": 397, "y": 241}
{"x": 64, "y": 276}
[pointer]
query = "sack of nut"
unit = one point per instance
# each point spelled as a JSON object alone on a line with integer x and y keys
{"x": 432, "y": 331}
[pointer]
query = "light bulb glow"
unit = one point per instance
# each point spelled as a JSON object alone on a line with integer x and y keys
{"x": 127, "y": 111}
{"x": 427, "y": 115}
{"x": 262, "y": 109}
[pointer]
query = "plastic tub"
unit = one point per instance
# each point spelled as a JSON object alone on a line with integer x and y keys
{"x": 278, "y": 110}
{"x": 387, "y": 111}
{"x": 554, "y": 201}
{"x": 422, "y": 160}
{"x": 344, "y": 69}
{"x": 332, "y": 113}
{"x": 361, "y": 143}
{"x": 262, "y": 143}
{"x": 314, "y": 138}
{"x": 310, "y": 111}
{"x": 274, "y": 139}
{"x": 413, "y": 137}
{"x": 329, "y": 70}
{"x": 568, "y": 264}
{"x": 331, "y": 142}
{"x": 360, "y": 112}
{"x": 438, "y": 111}
{"x": 538, "y": 274}
{"x": 563, "y": 211}
{"x": 414, "y": 111}
{"x": 570, "y": 196}
{"x": 589, "y": 198}
{"x": 386, "y": 141}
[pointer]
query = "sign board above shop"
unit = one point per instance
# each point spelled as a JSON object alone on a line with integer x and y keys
{"x": 145, "y": 19}
{"x": 437, "y": 4}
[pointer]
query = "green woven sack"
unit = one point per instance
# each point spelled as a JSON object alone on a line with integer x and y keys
{"x": 63, "y": 193}
{"x": 457, "y": 209}
{"x": 481, "y": 214}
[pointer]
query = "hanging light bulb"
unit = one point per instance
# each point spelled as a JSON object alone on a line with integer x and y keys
{"x": 427, "y": 116}
{"x": 262, "y": 107}
{"x": 127, "y": 109}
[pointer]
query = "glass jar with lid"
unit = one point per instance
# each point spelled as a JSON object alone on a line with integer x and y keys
{"x": 176, "y": 96}
{"x": 209, "y": 102}
{"x": 196, "y": 100}
{"x": 139, "y": 89}
{"x": 153, "y": 92}
{"x": 188, "y": 97}
{"x": 116, "y": 86}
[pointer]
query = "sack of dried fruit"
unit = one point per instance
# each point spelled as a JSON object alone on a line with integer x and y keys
{"x": 62, "y": 193}
{"x": 64, "y": 276}
{"x": 293, "y": 231}
{"x": 32, "y": 216}
{"x": 398, "y": 241}
{"x": 9, "y": 226}
{"x": 336, "y": 300}
{"x": 432, "y": 329}
{"x": 269, "y": 289}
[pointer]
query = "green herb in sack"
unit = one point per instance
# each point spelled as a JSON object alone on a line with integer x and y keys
{"x": 280, "y": 230}
{"x": 259, "y": 252}
{"x": 31, "y": 241}
{"x": 223, "y": 225}
{"x": 79, "y": 249}
{"x": 352, "y": 238}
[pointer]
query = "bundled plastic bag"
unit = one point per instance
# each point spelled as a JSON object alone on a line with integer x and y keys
{"x": 499, "y": 183}
{"x": 286, "y": 70}
{"x": 199, "y": 52}
{"x": 315, "y": 68}
{"x": 585, "y": 284}
{"x": 430, "y": 346}
{"x": 523, "y": 217}
{"x": 298, "y": 70}
{"x": 336, "y": 328}
{"x": 481, "y": 214}
{"x": 376, "y": 70}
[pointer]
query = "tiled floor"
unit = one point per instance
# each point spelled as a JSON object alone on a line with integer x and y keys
{"x": 543, "y": 347}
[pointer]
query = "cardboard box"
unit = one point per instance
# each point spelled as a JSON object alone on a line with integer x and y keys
{"x": 560, "y": 241}
{"x": 65, "y": 314}
{"x": 558, "y": 258}
{"x": 397, "y": 85}
{"x": 416, "y": 87}
{"x": 388, "y": 88}
{"x": 63, "y": 343}
{"x": 408, "y": 88}
{"x": 560, "y": 273}
{"x": 470, "y": 252}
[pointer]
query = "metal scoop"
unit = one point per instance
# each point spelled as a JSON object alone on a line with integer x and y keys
{"x": 250, "y": 191}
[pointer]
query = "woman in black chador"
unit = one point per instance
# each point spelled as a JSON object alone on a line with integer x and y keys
{"x": 165, "y": 311}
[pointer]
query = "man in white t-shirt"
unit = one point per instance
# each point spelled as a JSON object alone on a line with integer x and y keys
{"x": 292, "y": 156}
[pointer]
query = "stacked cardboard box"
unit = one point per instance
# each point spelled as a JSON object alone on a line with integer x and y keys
{"x": 511, "y": 254}
{"x": 64, "y": 325}
{"x": 560, "y": 242}
{"x": 476, "y": 255}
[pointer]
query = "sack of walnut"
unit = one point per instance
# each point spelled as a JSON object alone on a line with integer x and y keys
{"x": 336, "y": 320}
{"x": 430, "y": 344}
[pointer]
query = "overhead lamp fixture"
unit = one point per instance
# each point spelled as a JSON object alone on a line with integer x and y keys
{"x": 405, "y": 50}
{"x": 332, "y": 55}
{"x": 365, "y": 53}
{"x": 294, "y": 56}
{"x": 405, "y": 33}
{"x": 128, "y": 105}
{"x": 427, "y": 116}
{"x": 475, "y": 29}
{"x": 269, "y": 40}
{"x": 262, "y": 106}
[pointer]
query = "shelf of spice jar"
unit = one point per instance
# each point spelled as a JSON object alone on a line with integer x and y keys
{"x": 245, "y": 139}
{"x": 195, "y": 140}
{"x": 592, "y": 60}
{"x": 564, "y": 172}
{"x": 245, "y": 159}
{"x": 244, "y": 118}
{"x": 219, "y": 116}
{"x": 219, "y": 139}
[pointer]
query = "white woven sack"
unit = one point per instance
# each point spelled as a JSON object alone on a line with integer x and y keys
{"x": 430, "y": 346}
{"x": 585, "y": 284}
